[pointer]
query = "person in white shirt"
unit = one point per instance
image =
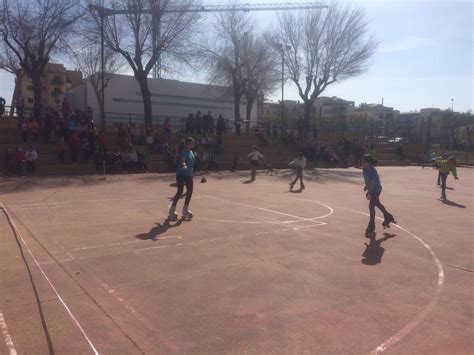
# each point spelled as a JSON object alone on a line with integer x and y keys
{"x": 254, "y": 156}
{"x": 204, "y": 160}
{"x": 30, "y": 158}
{"x": 298, "y": 164}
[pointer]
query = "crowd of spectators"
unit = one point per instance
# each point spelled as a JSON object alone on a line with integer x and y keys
{"x": 341, "y": 154}
{"x": 78, "y": 140}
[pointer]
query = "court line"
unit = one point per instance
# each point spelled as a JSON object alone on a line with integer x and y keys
{"x": 115, "y": 244}
{"x": 401, "y": 333}
{"x": 295, "y": 228}
{"x": 261, "y": 208}
{"x": 417, "y": 320}
{"x": 331, "y": 211}
{"x": 123, "y": 302}
{"x": 38, "y": 205}
{"x": 6, "y": 336}
{"x": 71, "y": 315}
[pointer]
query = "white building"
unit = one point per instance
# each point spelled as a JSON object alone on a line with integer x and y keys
{"x": 383, "y": 118}
{"x": 169, "y": 98}
{"x": 333, "y": 108}
{"x": 324, "y": 110}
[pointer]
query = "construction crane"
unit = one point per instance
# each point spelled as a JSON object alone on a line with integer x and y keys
{"x": 103, "y": 12}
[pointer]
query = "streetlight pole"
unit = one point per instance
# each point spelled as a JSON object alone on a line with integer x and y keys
{"x": 452, "y": 105}
{"x": 102, "y": 73}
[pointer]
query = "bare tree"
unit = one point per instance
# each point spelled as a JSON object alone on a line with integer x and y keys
{"x": 259, "y": 70}
{"x": 325, "y": 47}
{"x": 88, "y": 60}
{"x": 32, "y": 31}
{"x": 224, "y": 55}
{"x": 142, "y": 30}
{"x": 85, "y": 53}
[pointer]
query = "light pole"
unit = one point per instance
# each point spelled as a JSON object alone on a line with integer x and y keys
{"x": 102, "y": 73}
{"x": 452, "y": 105}
{"x": 102, "y": 13}
{"x": 282, "y": 49}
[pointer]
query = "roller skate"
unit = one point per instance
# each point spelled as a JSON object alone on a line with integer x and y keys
{"x": 370, "y": 231}
{"x": 291, "y": 186}
{"x": 387, "y": 220}
{"x": 187, "y": 214}
{"x": 172, "y": 215}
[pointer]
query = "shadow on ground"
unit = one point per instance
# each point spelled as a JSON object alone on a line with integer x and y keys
{"x": 451, "y": 203}
{"x": 157, "y": 230}
{"x": 30, "y": 183}
{"x": 373, "y": 252}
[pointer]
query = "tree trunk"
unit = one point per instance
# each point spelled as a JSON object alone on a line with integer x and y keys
{"x": 428, "y": 132}
{"x": 454, "y": 142}
{"x": 37, "y": 87}
{"x": 237, "y": 96}
{"x": 97, "y": 93}
{"x": 250, "y": 102}
{"x": 469, "y": 135}
{"x": 308, "y": 105}
{"x": 146, "y": 95}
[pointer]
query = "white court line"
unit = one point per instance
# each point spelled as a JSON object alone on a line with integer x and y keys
{"x": 71, "y": 315}
{"x": 292, "y": 229}
{"x": 254, "y": 207}
{"x": 6, "y": 336}
{"x": 331, "y": 211}
{"x": 38, "y": 205}
{"x": 417, "y": 320}
{"x": 115, "y": 244}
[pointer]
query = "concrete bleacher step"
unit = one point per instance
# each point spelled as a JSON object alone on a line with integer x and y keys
{"x": 276, "y": 153}
{"x": 393, "y": 162}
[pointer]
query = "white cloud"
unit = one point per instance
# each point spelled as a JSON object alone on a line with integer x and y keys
{"x": 407, "y": 43}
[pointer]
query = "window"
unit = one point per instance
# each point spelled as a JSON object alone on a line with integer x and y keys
{"x": 30, "y": 100}
{"x": 56, "y": 92}
{"x": 29, "y": 88}
{"x": 57, "y": 80}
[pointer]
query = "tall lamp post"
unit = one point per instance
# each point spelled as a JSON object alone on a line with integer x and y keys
{"x": 102, "y": 12}
{"x": 282, "y": 49}
{"x": 452, "y": 105}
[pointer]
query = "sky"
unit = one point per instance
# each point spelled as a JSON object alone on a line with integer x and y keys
{"x": 425, "y": 57}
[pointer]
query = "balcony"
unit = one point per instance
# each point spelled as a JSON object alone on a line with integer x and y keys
{"x": 57, "y": 81}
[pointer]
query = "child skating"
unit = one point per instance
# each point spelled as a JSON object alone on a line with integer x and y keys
{"x": 446, "y": 164}
{"x": 254, "y": 156}
{"x": 374, "y": 189}
{"x": 184, "y": 176}
{"x": 299, "y": 164}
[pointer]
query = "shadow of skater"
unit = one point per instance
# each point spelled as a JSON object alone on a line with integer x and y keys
{"x": 373, "y": 252}
{"x": 295, "y": 191}
{"x": 451, "y": 203}
{"x": 248, "y": 181}
{"x": 158, "y": 229}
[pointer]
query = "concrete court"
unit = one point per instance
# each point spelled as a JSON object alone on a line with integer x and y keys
{"x": 259, "y": 270}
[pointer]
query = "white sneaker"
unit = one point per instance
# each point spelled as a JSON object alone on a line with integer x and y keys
{"x": 172, "y": 215}
{"x": 187, "y": 214}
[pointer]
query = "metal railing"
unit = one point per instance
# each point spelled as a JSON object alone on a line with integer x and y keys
{"x": 176, "y": 123}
